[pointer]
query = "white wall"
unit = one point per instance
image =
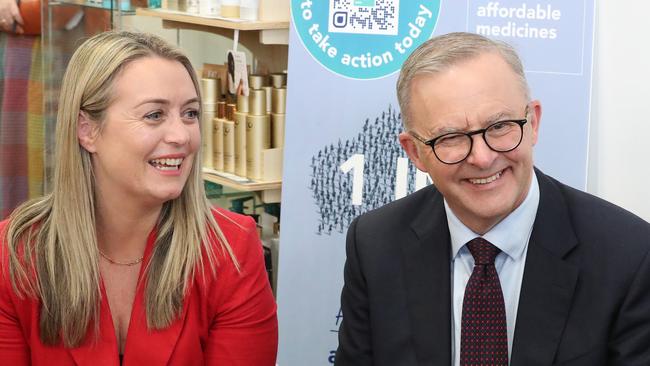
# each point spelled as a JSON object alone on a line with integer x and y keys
{"x": 619, "y": 167}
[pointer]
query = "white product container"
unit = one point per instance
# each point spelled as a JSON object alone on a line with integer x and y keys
{"x": 210, "y": 7}
{"x": 249, "y": 9}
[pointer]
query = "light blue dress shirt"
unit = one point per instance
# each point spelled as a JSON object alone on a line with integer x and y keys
{"x": 511, "y": 235}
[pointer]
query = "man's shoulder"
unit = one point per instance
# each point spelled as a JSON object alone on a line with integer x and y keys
{"x": 398, "y": 215}
{"x": 595, "y": 218}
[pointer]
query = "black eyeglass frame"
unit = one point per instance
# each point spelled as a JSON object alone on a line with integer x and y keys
{"x": 482, "y": 131}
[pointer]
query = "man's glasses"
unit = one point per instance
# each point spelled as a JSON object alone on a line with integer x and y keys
{"x": 454, "y": 147}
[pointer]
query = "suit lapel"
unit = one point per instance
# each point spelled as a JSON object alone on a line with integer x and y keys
{"x": 548, "y": 283}
{"x": 426, "y": 256}
{"x": 151, "y": 347}
{"x": 102, "y": 350}
{"x": 145, "y": 346}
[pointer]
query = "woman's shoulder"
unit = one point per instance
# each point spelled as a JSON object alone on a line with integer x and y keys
{"x": 4, "y": 252}
{"x": 4, "y": 224}
{"x": 11, "y": 303}
{"x": 240, "y": 232}
{"x": 233, "y": 223}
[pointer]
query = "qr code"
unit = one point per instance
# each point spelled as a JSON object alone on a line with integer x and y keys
{"x": 364, "y": 16}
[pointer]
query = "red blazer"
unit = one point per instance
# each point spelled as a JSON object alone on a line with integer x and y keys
{"x": 230, "y": 320}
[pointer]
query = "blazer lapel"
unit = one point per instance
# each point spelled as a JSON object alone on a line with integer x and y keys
{"x": 143, "y": 346}
{"x": 140, "y": 340}
{"x": 426, "y": 256}
{"x": 548, "y": 283}
{"x": 151, "y": 347}
{"x": 102, "y": 350}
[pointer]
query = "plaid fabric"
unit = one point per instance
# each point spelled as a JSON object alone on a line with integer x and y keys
{"x": 21, "y": 121}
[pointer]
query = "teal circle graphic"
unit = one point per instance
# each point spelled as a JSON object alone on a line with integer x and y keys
{"x": 363, "y": 39}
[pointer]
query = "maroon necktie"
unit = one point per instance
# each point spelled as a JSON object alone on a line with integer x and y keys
{"x": 484, "y": 334}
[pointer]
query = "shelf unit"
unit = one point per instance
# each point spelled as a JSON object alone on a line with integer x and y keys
{"x": 211, "y": 22}
{"x": 87, "y": 4}
{"x": 239, "y": 183}
{"x": 254, "y": 32}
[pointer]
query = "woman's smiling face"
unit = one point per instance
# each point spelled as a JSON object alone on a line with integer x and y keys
{"x": 146, "y": 146}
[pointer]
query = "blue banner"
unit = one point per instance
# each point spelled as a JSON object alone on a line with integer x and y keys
{"x": 342, "y": 157}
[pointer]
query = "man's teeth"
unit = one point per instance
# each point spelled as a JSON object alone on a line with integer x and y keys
{"x": 485, "y": 180}
{"x": 166, "y": 164}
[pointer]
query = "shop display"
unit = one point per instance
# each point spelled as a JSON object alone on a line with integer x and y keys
{"x": 210, "y": 91}
{"x": 229, "y": 140}
{"x": 217, "y": 136}
{"x": 258, "y": 134}
{"x": 240, "y": 135}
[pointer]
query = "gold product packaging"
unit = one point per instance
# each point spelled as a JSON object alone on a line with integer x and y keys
{"x": 217, "y": 136}
{"x": 240, "y": 135}
{"x": 278, "y": 80}
{"x": 257, "y": 139}
{"x": 257, "y": 81}
{"x": 242, "y": 103}
{"x": 209, "y": 92}
{"x": 277, "y": 126}
{"x": 279, "y": 100}
{"x": 229, "y": 140}
{"x": 229, "y": 146}
{"x": 229, "y": 11}
{"x": 207, "y": 116}
{"x": 272, "y": 164}
{"x": 230, "y": 111}
{"x": 219, "y": 72}
{"x": 268, "y": 90}
{"x": 257, "y": 102}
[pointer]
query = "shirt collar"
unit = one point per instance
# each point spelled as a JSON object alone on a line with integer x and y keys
{"x": 510, "y": 235}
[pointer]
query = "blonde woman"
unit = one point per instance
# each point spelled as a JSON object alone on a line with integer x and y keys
{"x": 125, "y": 262}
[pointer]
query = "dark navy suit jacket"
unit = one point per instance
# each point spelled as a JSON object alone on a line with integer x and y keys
{"x": 585, "y": 297}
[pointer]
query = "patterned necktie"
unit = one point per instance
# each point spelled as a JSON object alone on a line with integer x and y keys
{"x": 484, "y": 334}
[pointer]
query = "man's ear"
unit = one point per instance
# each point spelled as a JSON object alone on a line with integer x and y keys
{"x": 408, "y": 144}
{"x": 535, "y": 114}
{"x": 86, "y": 132}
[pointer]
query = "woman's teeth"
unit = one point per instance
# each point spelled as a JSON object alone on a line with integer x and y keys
{"x": 485, "y": 180}
{"x": 166, "y": 164}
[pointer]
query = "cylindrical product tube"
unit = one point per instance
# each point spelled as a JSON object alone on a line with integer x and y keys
{"x": 279, "y": 100}
{"x": 207, "y": 115}
{"x": 210, "y": 90}
{"x": 257, "y": 81}
{"x": 267, "y": 91}
{"x": 240, "y": 143}
{"x": 257, "y": 102}
{"x": 257, "y": 138}
{"x": 242, "y": 103}
{"x": 217, "y": 143}
{"x": 192, "y": 6}
{"x": 210, "y": 7}
{"x": 221, "y": 109}
{"x": 230, "y": 8}
{"x": 228, "y": 146}
{"x": 278, "y": 79}
{"x": 217, "y": 136}
{"x": 277, "y": 126}
{"x": 230, "y": 111}
{"x": 249, "y": 9}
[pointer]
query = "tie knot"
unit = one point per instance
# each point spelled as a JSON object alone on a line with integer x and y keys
{"x": 483, "y": 251}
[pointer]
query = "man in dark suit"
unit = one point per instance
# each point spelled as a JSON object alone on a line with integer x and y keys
{"x": 496, "y": 263}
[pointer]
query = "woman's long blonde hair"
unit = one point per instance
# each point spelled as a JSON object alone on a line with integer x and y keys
{"x": 52, "y": 242}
